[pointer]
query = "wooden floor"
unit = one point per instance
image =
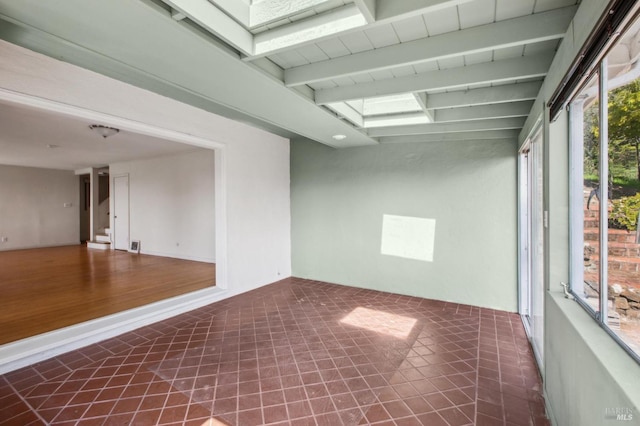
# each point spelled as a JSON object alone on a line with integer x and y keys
{"x": 50, "y": 288}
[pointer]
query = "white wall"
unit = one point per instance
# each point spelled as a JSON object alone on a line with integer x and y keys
{"x": 32, "y": 207}
{"x": 172, "y": 204}
{"x": 339, "y": 198}
{"x": 253, "y": 221}
{"x": 255, "y": 164}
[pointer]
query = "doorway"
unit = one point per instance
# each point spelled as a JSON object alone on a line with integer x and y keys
{"x": 15, "y": 355}
{"x": 85, "y": 207}
{"x": 531, "y": 241}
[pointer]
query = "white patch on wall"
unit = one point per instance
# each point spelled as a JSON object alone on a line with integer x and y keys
{"x": 408, "y": 237}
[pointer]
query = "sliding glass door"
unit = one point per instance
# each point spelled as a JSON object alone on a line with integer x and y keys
{"x": 531, "y": 245}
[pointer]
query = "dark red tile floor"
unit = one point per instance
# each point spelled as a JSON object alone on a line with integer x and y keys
{"x": 296, "y": 352}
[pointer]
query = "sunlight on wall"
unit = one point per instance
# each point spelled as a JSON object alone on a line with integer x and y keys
{"x": 408, "y": 237}
{"x": 380, "y": 322}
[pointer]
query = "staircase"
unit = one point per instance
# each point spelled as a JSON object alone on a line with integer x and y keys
{"x": 102, "y": 240}
{"x": 623, "y": 252}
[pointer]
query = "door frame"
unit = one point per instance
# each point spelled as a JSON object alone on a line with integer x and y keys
{"x": 524, "y": 234}
{"x": 531, "y": 151}
{"x": 37, "y": 348}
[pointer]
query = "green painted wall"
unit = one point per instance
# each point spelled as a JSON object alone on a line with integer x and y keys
{"x": 339, "y": 197}
{"x": 587, "y": 375}
{"x": 586, "y": 371}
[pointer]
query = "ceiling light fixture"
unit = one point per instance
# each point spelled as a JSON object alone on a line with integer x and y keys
{"x": 104, "y": 131}
{"x": 52, "y": 146}
{"x": 339, "y": 137}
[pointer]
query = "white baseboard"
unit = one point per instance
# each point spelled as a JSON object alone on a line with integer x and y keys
{"x": 179, "y": 256}
{"x": 61, "y": 244}
{"x": 34, "y": 349}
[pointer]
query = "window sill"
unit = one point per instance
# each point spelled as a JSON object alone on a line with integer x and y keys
{"x": 622, "y": 368}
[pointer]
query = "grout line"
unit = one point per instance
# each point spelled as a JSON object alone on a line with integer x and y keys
{"x": 475, "y": 420}
{"x": 23, "y": 399}
{"x": 278, "y": 314}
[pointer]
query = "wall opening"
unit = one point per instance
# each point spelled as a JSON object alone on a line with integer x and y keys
{"x": 30, "y": 349}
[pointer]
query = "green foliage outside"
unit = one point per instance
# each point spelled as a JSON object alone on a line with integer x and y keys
{"x": 591, "y": 142}
{"x": 624, "y": 134}
{"x": 624, "y": 152}
{"x": 624, "y": 129}
{"x": 624, "y": 214}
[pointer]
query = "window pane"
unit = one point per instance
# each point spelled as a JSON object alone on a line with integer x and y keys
{"x": 587, "y": 103}
{"x": 532, "y": 241}
{"x": 624, "y": 189}
{"x": 537, "y": 245}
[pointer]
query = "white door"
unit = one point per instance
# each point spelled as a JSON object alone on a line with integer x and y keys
{"x": 525, "y": 237}
{"x": 532, "y": 242}
{"x": 121, "y": 212}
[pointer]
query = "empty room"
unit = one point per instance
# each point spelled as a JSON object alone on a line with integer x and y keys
{"x": 64, "y": 180}
{"x": 320, "y": 212}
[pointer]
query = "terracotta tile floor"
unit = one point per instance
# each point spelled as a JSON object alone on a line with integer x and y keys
{"x": 296, "y": 352}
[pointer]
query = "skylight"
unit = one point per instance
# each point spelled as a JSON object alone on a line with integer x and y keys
{"x": 267, "y": 26}
{"x": 396, "y": 110}
{"x": 314, "y": 28}
{"x": 265, "y": 11}
{"x": 397, "y": 120}
{"x": 405, "y": 102}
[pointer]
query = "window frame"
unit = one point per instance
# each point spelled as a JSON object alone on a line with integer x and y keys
{"x": 531, "y": 281}
{"x": 576, "y": 206}
{"x": 598, "y": 68}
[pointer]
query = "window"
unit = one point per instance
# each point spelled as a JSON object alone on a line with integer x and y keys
{"x": 605, "y": 239}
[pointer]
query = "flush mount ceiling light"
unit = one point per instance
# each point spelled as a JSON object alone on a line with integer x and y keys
{"x": 104, "y": 131}
{"x": 339, "y": 137}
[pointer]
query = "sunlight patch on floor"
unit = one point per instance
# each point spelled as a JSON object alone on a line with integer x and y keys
{"x": 213, "y": 422}
{"x": 380, "y": 322}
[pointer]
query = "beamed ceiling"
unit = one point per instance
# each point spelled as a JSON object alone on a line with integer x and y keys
{"x": 375, "y": 71}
